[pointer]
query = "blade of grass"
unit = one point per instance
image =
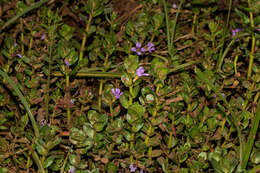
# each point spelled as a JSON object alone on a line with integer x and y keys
{"x": 167, "y": 26}
{"x": 34, "y": 6}
{"x": 170, "y": 37}
{"x": 251, "y": 137}
{"x": 175, "y": 23}
{"x": 26, "y": 105}
{"x": 23, "y": 100}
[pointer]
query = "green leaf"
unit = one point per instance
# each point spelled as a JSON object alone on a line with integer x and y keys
{"x": 243, "y": 16}
{"x": 134, "y": 112}
{"x": 124, "y": 100}
{"x": 40, "y": 147}
{"x": 66, "y": 32}
{"x": 127, "y": 80}
{"x": 137, "y": 125}
{"x": 136, "y": 91}
{"x": 131, "y": 64}
{"x": 49, "y": 161}
{"x": 256, "y": 157}
{"x": 158, "y": 20}
{"x": 52, "y": 144}
{"x": 111, "y": 167}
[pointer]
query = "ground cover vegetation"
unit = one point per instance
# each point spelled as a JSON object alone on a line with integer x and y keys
{"x": 113, "y": 86}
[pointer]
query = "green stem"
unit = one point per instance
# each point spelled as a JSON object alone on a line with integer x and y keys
{"x": 169, "y": 144}
{"x": 194, "y": 23}
{"x": 100, "y": 94}
{"x": 132, "y": 134}
{"x": 47, "y": 96}
{"x": 131, "y": 94}
{"x": 68, "y": 90}
{"x": 37, "y": 161}
{"x": 82, "y": 47}
{"x": 111, "y": 111}
{"x": 251, "y": 58}
{"x": 249, "y": 94}
{"x": 151, "y": 128}
{"x": 235, "y": 64}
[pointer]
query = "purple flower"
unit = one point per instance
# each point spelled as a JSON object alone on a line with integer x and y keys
{"x": 138, "y": 48}
{"x": 138, "y": 45}
{"x": 140, "y": 72}
{"x": 141, "y": 171}
{"x": 72, "y": 169}
{"x": 72, "y": 101}
{"x": 150, "y": 47}
{"x": 15, "y": 44}
{"x": 43, "y": 122}
{"x": 67, "y": 62}
{"x": 235, "y": 31}
{"x": 132, "y": 168}
{"x": 174, "y": 6}
{"x": 116, "y": 92}
{"x": 19, "y": 55}
{"x": 43, "y": 37}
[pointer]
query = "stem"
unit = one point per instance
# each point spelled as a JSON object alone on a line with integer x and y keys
{"x": 132, "y": 134}
{"x": 37, "y": 161}
{"x": 251, "y": 58}
{"x": 100, "y": 94}
{"x": 151, "y": 128}
{"x": 194, "y": 23}
{"x": 131, "y": 95}
{"x": 170, "y": 142}
{"x": 111, "y": 111}
{"x": 235, "y": 64}
{"x": 47, "y": 96}
{"x": 249, "y": 94}
{"x": 67, "y": 88}
{"x": 82, "y": 47}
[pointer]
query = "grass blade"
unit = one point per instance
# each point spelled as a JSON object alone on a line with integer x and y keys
{"x": 35, "y": 5}
{"x": 251, "y": 137}
{"x": 23, "y": 100}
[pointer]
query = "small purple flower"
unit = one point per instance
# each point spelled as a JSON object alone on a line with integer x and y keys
{"x": 67, "y": 62}
{"x": 132, "y": 168}
{"x": 116, "y": 92}
{"x": 138, "y": 45}
{"x": 72, "y": 169}
{"x": 174, "y": 6}
{"x": 15, "y": 44}
{"x": 150, "y": 47}
{"x": 43, "y": 122}
{"x": 141, "y": 171}
{"x": 19, "y": 55}
{"x": 138, "y": 48}
{"x": 140, "y": 72}
{"x": 43, "y": 37}
{"x": 72, "y": 101}
{"x": 235, "y": 31}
